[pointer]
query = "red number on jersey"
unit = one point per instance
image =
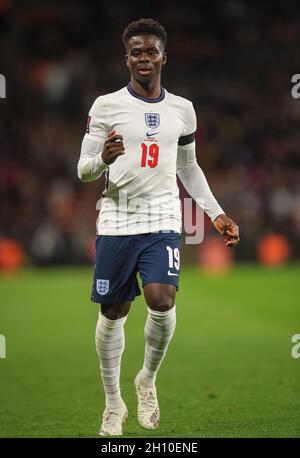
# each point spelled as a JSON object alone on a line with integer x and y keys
{"x": 153, "y": 151}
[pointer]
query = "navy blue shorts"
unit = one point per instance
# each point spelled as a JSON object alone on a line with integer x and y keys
{"x": 119, "y": 258}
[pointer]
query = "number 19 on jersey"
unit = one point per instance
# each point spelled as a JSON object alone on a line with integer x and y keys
{"x": 149, "y": 155}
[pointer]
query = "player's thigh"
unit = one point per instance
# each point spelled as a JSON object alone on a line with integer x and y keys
{"x": 159, "y": 267}
{"x": 115, "y": 270}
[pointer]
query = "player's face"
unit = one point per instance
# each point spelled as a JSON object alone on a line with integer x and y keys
{"x": 145, "y": 57}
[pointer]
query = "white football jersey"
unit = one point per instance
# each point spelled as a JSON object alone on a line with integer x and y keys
{"x": 141, "y": 193}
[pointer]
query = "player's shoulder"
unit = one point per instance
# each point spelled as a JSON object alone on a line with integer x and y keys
{"x": 179, "y": 100}
{"x": 106, "y": 99}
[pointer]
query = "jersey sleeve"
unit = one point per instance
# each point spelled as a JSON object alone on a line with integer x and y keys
{"x": 194, "y": 181}
{"x": 189, "y": 124}
{"x": 98, "y": 121}
{"x": 90, "y": 165}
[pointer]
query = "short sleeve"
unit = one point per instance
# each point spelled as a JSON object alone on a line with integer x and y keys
{"x": 189, "y": 125}
{"x": 97, "y": 123}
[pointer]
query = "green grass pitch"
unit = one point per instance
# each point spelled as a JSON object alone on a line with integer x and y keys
{"x": 228, "y": 372}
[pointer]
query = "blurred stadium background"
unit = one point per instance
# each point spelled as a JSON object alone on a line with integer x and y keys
{"x": 235, "y": 60}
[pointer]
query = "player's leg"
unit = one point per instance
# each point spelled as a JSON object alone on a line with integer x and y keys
{"x": 115, "y": 286}
{"x": 159, "y": 328}
{"x": 159, "y": 270}
{"x": 110, "y": 344}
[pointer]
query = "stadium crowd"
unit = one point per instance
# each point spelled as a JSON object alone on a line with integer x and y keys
{"x": 233, "y": 59}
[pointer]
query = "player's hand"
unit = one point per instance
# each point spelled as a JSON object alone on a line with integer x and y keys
{"x": 228, "y": 229}
{"x": 113, "y": 148}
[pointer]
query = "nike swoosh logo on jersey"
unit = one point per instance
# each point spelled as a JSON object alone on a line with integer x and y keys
{"x": 151, "y": 134}
{"x": 170, "y": 273}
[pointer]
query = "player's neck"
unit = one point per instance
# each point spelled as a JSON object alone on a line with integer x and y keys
{"x": 148, "y": 90}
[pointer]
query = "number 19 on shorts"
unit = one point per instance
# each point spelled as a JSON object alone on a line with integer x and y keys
{"x": 174, "y": 258}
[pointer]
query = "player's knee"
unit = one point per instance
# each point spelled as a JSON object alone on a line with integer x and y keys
{"x": 115, "y": 311}
{"x": 161, "y": 307}
{"x": 163, "y": 304}
{"x": 160, "y": 298}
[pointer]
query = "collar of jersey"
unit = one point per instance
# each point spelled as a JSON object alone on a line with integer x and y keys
{"x": 145, "y": 99}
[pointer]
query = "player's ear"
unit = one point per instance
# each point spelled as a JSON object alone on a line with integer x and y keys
{"x": 126, "y": 59}
{"x": 164, "y": 58}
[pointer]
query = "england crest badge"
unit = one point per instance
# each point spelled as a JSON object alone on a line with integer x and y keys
{"x": 102, "y": 286}
{"x": 152, "y": 120}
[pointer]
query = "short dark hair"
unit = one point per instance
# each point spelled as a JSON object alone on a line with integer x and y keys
{"x": 144, "y": 27}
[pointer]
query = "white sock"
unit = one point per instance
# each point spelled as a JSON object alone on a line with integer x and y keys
{"x": 110, "y": 344}
{"x": 159, "y": 330}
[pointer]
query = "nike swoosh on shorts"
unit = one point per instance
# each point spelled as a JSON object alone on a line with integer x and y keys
{"x": 170, "y": 273}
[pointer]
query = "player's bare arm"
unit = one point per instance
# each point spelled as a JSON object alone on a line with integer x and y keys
{"x": 228, "y": 229}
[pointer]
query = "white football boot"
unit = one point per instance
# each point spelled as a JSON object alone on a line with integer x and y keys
{"x": 148, "y": 408}
{"x": 113, "y": 419}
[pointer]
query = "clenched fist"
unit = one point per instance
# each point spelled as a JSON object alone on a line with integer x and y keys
{"x": 113, "y": 148}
